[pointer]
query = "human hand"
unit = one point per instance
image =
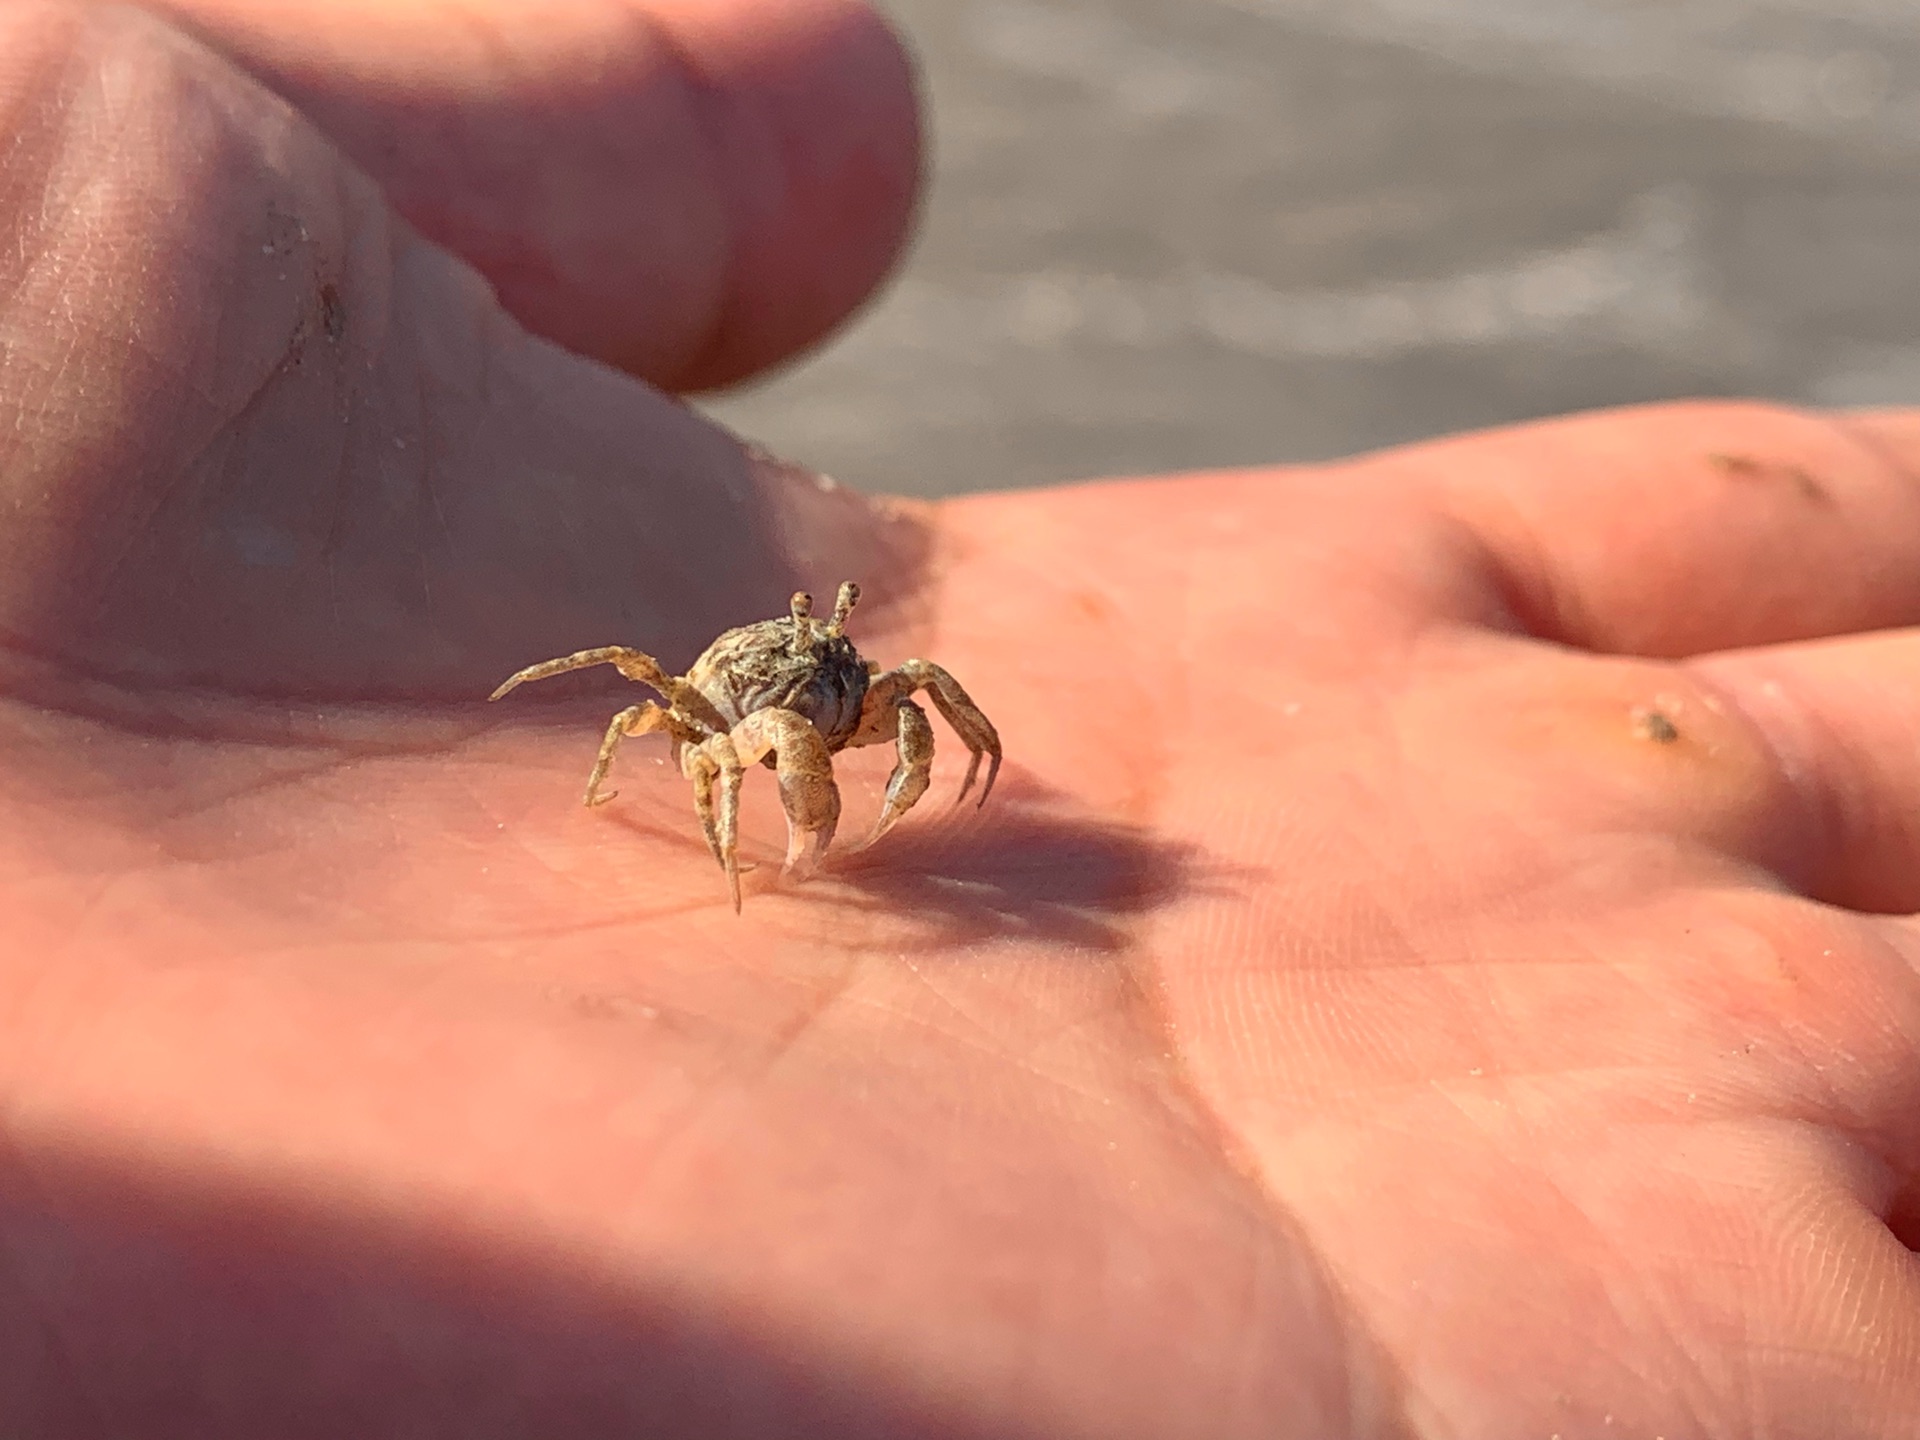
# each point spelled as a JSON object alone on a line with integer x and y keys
{"x": 1354, "y": 1014}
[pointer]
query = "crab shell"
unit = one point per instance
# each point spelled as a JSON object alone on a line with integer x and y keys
{"x": 755, "y": 668}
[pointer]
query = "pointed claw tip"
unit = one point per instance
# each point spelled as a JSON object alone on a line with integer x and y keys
{"x": 993, "y": 773}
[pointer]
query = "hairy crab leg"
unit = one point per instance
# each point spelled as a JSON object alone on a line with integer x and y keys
{"x": 714, "y": 758}
{"x": 634, "y": 664}
{"x": 956, "y": 707}
{"x": 637, "y": 666}
{"x": 912, "y": 772}
{"x": 700, "y": 768}
{"x": 634, "y": 720}
{"x": 731, "y": 775}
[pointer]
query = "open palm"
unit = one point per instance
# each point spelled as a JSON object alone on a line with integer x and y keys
{"x": 1433, "y": 963}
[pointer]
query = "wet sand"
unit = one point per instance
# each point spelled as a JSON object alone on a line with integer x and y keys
{"x": 1167, "y": 234}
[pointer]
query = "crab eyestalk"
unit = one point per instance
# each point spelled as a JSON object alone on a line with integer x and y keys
{"x": 843, "y": 607}
{"x": 802, "y": 607}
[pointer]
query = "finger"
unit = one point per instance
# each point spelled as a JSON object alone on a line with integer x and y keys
{"x": 1842, "y": 720}
{"x": 256, "y": 436}
{"x": 692, "y": 191}
{"x": 1680, "y": 529}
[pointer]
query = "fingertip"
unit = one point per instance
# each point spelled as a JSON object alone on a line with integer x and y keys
{"x": 820, "y": 152}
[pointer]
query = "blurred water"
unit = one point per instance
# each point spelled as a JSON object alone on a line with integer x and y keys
{"x": 1174, "y": 233}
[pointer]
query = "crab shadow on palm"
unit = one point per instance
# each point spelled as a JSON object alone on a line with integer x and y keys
{"x": 1031, "y": 864}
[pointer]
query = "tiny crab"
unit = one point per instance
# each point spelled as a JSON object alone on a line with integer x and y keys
{"x": 790, "y": 693}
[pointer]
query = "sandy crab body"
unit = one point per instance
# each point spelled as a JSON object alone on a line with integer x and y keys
{"x": 755, "y": 668}
{"x": 789, "y": 693}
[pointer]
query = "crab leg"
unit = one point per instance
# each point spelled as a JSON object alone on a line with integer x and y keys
{"x": 890, "y": 687}
{"x": 634, "y": 720}
{"x": 730, "y": 777}
{"x": 912, "y": 772}
{"x": 634, "y": 664}
{"x": 698, "y": 767}
{"x": 713, "y": 757}
{"x": 637, "y": 666}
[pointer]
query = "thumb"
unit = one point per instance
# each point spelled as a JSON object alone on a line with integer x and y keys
{"x": 257, "y": 435}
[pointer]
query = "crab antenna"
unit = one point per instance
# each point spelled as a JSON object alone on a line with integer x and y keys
{"x": 843, "y": 607}
{"x": 802, "y": 607}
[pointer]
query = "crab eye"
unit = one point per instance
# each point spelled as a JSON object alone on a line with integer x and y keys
{"x": 843, "y": 607}
{"x": 802, "y": 607}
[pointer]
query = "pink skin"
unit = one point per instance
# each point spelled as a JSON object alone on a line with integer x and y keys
{"x": 1346, "y": 1018}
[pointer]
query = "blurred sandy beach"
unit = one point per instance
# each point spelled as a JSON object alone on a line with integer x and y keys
{"x": 1167, "y": 234}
